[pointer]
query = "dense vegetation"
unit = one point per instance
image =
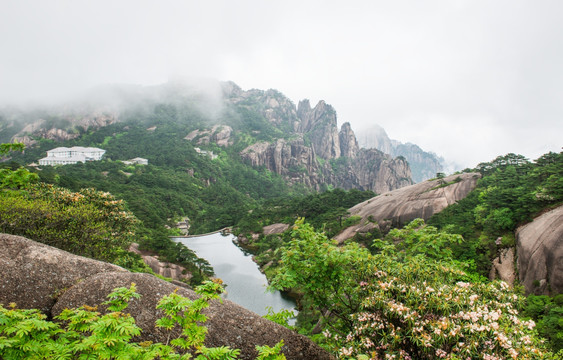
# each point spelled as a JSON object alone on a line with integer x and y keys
{"x": 87, "y": 222}
{"x": 85, "y": 333}
{"x": 511, "y": 191}
{"x": 408, "y": 302}
{"x": 327, "y": 210}
{"x": 213, "y": 193}
{"x": 417, "y": 292}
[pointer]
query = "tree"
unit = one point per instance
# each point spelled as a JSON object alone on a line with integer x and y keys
{"x": 409, "y": 301}
{"x": 327, "y": 275}
{"x": 18, "y": 178}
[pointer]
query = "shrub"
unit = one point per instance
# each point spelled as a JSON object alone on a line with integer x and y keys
{"x": 85, "y": 333}
{"x": 409, "y": 301}
{"x": 88, "y": 223}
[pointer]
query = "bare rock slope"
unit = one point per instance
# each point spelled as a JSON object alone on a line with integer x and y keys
{"x": 398, "y": 207}
{"x": 163, "y": 268}
{"x": 39, "y": 276}
{"x": 540, "y": 253}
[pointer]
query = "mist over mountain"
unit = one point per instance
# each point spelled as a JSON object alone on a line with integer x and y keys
{"x": 424, "y": 164}
{"x": 303, "y": 143}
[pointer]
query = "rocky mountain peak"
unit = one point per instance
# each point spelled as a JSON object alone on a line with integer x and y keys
{"x": 303, "y": 107}
{"x": 348, "y": 144}
{"x": 320, "y": 124}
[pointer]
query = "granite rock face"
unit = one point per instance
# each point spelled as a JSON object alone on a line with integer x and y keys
{"x": 60, "y": 131}
{"x": 503, "y": 267}
{"x": 34, "y": 274}
{"x": 318, "y": 154}
{"x": 292, "y": 159}
{"x": 39, "y": 276}
{"x": 400, "y": 206}
{"x": 321, "y": 125}
{"x": 220, "y": 134}
{"x": 348, "y": 143}
{"x": 540, "y": 253}
{"x": 275, "y": 228}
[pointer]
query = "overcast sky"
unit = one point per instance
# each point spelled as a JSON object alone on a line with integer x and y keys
{"x": 469, "y": 80}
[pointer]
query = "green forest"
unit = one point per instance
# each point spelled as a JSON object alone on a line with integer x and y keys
{"x": 419, "y": 292}
{"x": 511, "y": 192}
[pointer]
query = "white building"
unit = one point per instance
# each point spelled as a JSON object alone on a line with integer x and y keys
{"x": 137, "y": 160}
{"x": 64, "y": 155}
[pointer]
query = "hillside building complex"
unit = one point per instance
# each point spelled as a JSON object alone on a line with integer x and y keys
{"x": 73, "y": 155}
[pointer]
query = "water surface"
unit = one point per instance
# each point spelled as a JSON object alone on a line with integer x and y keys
{"x": 246, "y": 285}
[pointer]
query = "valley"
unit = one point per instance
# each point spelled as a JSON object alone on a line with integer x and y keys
{"x": 342, "y": 226}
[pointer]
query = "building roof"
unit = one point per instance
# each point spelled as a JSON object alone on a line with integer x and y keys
{"x": 76, "y": 148}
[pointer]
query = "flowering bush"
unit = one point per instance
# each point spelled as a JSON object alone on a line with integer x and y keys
{"x": 428, "y": 318}
{"x": 408, "y": 301}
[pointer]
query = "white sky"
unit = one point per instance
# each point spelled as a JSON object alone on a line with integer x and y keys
{"x": 469, "y": 80}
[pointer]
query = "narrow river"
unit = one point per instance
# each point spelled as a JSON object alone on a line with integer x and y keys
{"x": 246, "y": 285}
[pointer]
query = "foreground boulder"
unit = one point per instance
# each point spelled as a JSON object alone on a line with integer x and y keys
{"x": 39, "y": 276}
{"x": 34, "y": 275}
{"x": 540, "y": 253}
{"x": 398, "y": 207}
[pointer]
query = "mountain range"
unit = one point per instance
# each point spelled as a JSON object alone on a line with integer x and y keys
{"x": 302, "y": 143}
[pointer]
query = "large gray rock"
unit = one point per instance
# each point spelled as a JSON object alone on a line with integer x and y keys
{"x": 275, "y": 228}
{"x": 398, "y": 207}
{"x": 228, "y": 323}
{"x": 39, "y": 276}
{"x": 220, "y": 134}
{"x": 540, "y": 253}
{"x": 503, "y": 267}
{"x": 34, "y": 275}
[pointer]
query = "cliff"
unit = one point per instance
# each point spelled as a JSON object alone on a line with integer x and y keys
{"x": 540, "y": 253}
{"x": 315, "y": 152}
{"x": 302, "y": 143}
{"x": 42, "y": 277}
{"x": 400, "y": 206}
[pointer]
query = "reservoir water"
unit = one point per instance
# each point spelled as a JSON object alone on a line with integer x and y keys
{"x": 246, "y": 285}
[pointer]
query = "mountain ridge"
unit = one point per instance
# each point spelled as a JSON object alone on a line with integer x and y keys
{"x": 424, "y": 164}
{"x": 320, "y": 156}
